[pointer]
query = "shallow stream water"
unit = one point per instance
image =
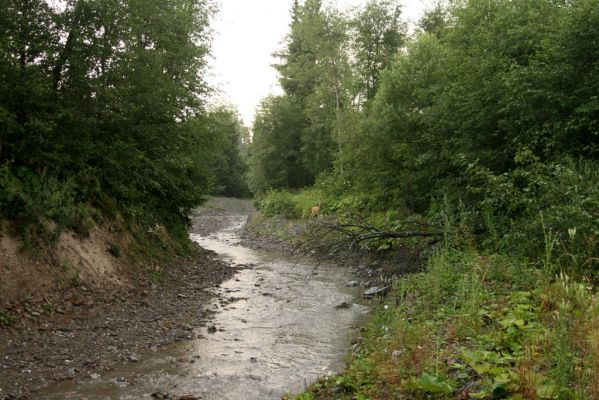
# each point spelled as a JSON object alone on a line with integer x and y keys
{"x": 279, "y": 331}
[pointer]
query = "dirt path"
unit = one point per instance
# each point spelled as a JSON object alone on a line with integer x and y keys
{"x": 125, "y": 326}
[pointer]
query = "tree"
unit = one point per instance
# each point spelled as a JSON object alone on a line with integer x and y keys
{"x": 378, "y": 35}
{"x": 274, "y": 154}
{"x": 107, "y": 94}
{"x": 229, "y": 167}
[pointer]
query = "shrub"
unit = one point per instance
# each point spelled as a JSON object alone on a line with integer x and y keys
{"x": 292, "y": 205}
{"x": 521, "y": 209}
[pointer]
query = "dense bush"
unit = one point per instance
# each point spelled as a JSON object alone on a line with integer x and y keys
{"x": 486, "y": 119}
{"x": 102, "y": 106}
{"x": 289, "y": 204}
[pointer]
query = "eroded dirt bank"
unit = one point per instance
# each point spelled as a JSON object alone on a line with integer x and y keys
{"x": 84, "y": 331}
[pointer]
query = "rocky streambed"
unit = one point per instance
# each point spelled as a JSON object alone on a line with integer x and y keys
{"x": 274, "y": 326}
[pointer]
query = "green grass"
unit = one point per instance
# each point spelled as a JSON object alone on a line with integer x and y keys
{"x": 476, "y": 326}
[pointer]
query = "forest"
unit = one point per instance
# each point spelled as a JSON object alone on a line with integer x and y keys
{"x": 479, "y": 127}
{"x": 103, "y": 114}
{"x": 487, "y": 115}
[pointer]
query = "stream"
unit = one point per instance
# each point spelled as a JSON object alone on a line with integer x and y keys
{"x": 278, "y": 330}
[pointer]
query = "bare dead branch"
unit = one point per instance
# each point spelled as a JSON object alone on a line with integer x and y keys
{"x": 358, "y": 232}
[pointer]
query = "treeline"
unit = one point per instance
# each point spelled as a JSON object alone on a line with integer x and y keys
{"x": 485, "y": 119}
{"x": 103, "y": 112}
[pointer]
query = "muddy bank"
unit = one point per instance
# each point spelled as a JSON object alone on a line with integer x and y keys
{"x": 84, "y": 330}
{"x": 305, "y": 238}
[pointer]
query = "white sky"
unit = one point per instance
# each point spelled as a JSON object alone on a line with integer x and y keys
{"x": 246, "y": 34}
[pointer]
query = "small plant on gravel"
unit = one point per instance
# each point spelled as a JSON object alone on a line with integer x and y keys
{"x": 5, "y": 318}
{"x": 114, "y": 249}
{"x": 157, "y": 276}
{"x": 75, "y": 279}
{"x": 50, "y": 307}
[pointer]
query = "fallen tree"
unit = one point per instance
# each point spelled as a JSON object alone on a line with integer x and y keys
{"x": 358, "y": 233}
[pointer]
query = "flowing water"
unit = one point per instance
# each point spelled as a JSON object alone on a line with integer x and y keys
{"x": 281, "y": 331}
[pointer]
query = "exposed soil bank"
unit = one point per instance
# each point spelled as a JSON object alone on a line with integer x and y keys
{"x": 305, "y": 238}
{"x": 114, "y": 313}
{"x": 284, "y": 321}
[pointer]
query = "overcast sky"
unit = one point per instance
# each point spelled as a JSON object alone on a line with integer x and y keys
{"x": 246, "y": 34}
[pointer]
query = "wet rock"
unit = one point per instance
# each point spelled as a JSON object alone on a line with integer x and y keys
{"x": 375, "y": 291}
{"x": 161, "y": 396}
{"x": 212, "y": 329}
{"x": 254, "y": 359}
{"x": 343, "y": 305}
{"x": 353, "y": 284}
{"x": 190, "y": 397}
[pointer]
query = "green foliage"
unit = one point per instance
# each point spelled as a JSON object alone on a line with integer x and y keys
{"x": 432, "y": 384}
{"x": 158, "y": 276}
{"x": 537, "y": 206}
{"x": 379, "y": 34}
{"x": 275, "y": 160}
{"x": 114, "y": 249}
{"x": 293, "y": 205}
{"x": 101, "y": 108}
{"x": 478, "y": 327}
{"x": 490, "y": 111}
{"x": 5, "y": 318}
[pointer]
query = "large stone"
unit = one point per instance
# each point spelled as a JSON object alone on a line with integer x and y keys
{"x": 375, "y": 291}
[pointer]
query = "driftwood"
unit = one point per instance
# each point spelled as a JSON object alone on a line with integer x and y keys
{"x": 363, "y": 231}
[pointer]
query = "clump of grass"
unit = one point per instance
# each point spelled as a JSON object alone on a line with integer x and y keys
{"x": 6, "y": 318}
{"x": 114, "y": 249}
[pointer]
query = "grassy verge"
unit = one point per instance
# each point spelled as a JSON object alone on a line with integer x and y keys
{"x": 480, "y": 321}
{"x": 476, "y": 326}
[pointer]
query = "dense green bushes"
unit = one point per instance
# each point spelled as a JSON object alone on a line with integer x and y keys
{"x": 102, "y": 107}
{"x": 523, "y": 209}
{"x": 486, "y": 120}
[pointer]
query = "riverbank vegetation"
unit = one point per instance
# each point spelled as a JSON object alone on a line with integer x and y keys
{"x": 481, "y": 126}
{"x": 107, "y": 141}
{"x": 103, "y": 116}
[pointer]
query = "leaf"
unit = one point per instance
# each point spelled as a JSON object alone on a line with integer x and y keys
{"x": 432, "y": 384}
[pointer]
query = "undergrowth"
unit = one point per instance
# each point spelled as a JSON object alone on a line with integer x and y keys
{"x": 476, "y": 326}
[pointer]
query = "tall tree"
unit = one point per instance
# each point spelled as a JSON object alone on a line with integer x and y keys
{"x": 275, "y": 160}
{"x": 108, "y": 94}
{"x": 378, "y": 35}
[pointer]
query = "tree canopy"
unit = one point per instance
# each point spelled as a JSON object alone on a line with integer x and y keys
{"x": 102, "y": 105}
